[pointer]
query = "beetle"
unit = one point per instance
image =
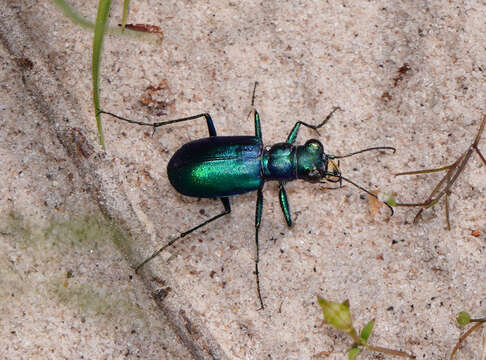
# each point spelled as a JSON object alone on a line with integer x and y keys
{"x": 226, "y": 166}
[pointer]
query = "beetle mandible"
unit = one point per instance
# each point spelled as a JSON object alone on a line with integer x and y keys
{"x": 225, "y": 166}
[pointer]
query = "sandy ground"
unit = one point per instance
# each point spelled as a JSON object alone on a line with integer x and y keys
{"x": 75, "y": 219}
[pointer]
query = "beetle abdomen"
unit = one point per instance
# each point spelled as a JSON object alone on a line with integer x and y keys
{"x": 217, "y": 166}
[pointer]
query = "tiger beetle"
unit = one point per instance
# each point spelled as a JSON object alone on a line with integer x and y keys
{"x": 225, "y": 166}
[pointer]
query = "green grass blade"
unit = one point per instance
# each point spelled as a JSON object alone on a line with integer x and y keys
{"x": 100, "y": 27}
{"x": 125, "y": 13}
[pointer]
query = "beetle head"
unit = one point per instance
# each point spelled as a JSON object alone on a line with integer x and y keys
{"x": 312, "y": 163}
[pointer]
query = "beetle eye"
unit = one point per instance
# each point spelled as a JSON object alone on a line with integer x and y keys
{"x": 314, "y": 146}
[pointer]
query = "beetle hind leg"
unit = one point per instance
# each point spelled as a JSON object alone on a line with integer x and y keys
{"x": 209, "y": 121}
{"x": 227, "y": 210}
{"x": 258, "y": 220}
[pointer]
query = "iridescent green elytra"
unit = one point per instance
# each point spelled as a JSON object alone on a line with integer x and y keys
{"x": 224, "y": 166}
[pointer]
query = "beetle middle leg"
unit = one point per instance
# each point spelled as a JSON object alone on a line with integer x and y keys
{"x": 284, "y": 203}
{"x": 227, "y": 210}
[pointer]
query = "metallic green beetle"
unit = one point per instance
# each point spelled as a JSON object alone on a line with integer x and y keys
{"x": 224, "y": 166}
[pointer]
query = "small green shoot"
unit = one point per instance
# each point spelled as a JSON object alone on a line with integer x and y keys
{"x": 338, "y": 315}
{"x": 444, "y": 186}
{"x": 141, "y": 31}
{"x": 464, "y": 319}
{"x": 125, "y": 13}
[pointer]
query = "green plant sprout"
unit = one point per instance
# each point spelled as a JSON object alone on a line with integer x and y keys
{"x": 444, "y": 186}
{"x": 141, "y": 31}
{"x": 463, "y": 319}
{"x": 338, "y": 315}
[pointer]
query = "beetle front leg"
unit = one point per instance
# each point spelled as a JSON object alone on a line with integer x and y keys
{"x": 284, "y": 204}
{"x": 295, "y": 130}
{"x": 258, "y": 220}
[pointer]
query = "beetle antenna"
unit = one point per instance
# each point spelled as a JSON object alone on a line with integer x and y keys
{"x": 252, "y": 100}
{"x": 366, "y": 191}
{"x": 362, "y": 151}
{"x": 253, "y": 96}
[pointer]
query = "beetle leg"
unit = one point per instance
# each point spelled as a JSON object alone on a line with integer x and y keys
{"x": 227, "y": 210}
{"x": 209, "y": 121}
{"x": 259, "y": 204}
{"x": 295, "y": 130}
{"x": 258, "y": 127}
{"x": 284, "y": 203}
{"x": 258, "y": 220}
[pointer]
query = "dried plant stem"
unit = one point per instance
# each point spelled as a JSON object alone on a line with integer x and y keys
{"x": 464, "y": 337}
{"x": 390, "y": 351}
{"x": 445, "y": 184}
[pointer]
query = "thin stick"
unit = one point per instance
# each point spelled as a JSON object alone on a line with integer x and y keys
{"x": 464, "y": 337}
{"x": 390, "y": 351}
{"x": 447, "y": 212}
{"x": 480, "y": 155}
{"x": 426, "y": 171}
{"x": 453, "y": 172}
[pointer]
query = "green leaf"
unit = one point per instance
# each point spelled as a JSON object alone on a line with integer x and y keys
{"x": 100, "y": 27}
{"x": 366, "y": 332}
{"x": 353, "y": 352}
{"x": 337, "y": 314}
{"x": 463, "y": 318}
